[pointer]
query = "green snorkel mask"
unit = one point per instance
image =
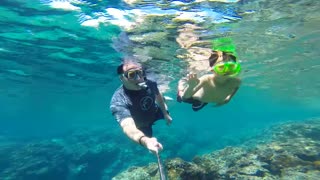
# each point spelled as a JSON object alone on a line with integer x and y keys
{"x": 226, "y": 68}
{"x": 229, "y": 68}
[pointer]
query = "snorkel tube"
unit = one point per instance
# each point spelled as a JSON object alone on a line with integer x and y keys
{"x": 224, "y": 44}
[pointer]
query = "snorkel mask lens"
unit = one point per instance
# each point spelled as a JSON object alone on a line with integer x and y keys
{"x": 133, "y": 74}
{"x": 227, "y": 68}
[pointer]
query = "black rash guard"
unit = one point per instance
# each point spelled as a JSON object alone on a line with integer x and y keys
{"x": 138, "y": 104}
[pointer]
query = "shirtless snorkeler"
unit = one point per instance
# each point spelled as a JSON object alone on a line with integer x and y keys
{"x": 218, "y": 87}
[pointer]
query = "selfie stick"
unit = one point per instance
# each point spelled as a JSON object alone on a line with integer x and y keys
{"x": 161, "y": 171}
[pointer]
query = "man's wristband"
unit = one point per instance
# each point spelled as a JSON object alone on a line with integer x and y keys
{"x": 140, "y": 138}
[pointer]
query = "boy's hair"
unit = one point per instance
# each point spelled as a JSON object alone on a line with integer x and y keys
{"x": 226, "y": 56}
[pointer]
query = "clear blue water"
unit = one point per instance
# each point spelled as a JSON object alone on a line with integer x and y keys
{"x": 57, "y": 69}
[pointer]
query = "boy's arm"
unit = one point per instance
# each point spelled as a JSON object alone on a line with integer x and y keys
{"x": 194, "y": 85}
{"x": 228, "y": 98}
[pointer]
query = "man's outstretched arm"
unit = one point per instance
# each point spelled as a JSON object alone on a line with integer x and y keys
{"x": 130, "y": 129}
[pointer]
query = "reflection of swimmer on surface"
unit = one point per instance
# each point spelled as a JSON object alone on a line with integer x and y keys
{"x": 218, "y": 87}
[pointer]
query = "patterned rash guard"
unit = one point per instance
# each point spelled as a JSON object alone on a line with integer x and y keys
{"x": 140, "y": 105}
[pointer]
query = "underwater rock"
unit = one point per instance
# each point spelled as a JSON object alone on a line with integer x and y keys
{"x": 177, "y": 168}
{"x": 286, "y": 151}
{"x": 36, "y": 161}
{"x": 135, "y": 173}
{"x": 83, "y": 154}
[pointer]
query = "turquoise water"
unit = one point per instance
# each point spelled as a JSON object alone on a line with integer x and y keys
{"x": 58, "y": 60}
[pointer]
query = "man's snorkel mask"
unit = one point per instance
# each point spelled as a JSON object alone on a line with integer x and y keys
{"x": 229, "y": 65}
{"x": 134, "y": 74}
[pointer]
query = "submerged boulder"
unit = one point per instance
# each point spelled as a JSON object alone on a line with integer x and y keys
{"x": 286, "y": 151}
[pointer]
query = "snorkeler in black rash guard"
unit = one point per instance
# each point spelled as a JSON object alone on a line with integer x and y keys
{"x": 137, "y": 104}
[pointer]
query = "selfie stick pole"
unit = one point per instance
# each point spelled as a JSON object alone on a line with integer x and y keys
{"x": 161, "y": 171}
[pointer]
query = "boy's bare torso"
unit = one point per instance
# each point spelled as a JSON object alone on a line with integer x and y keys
{"x": 211, "y": 91}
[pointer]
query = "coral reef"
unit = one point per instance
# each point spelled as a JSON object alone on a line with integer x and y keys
{"x": 286, "y": 151}
{"x": 82, "y": 154}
